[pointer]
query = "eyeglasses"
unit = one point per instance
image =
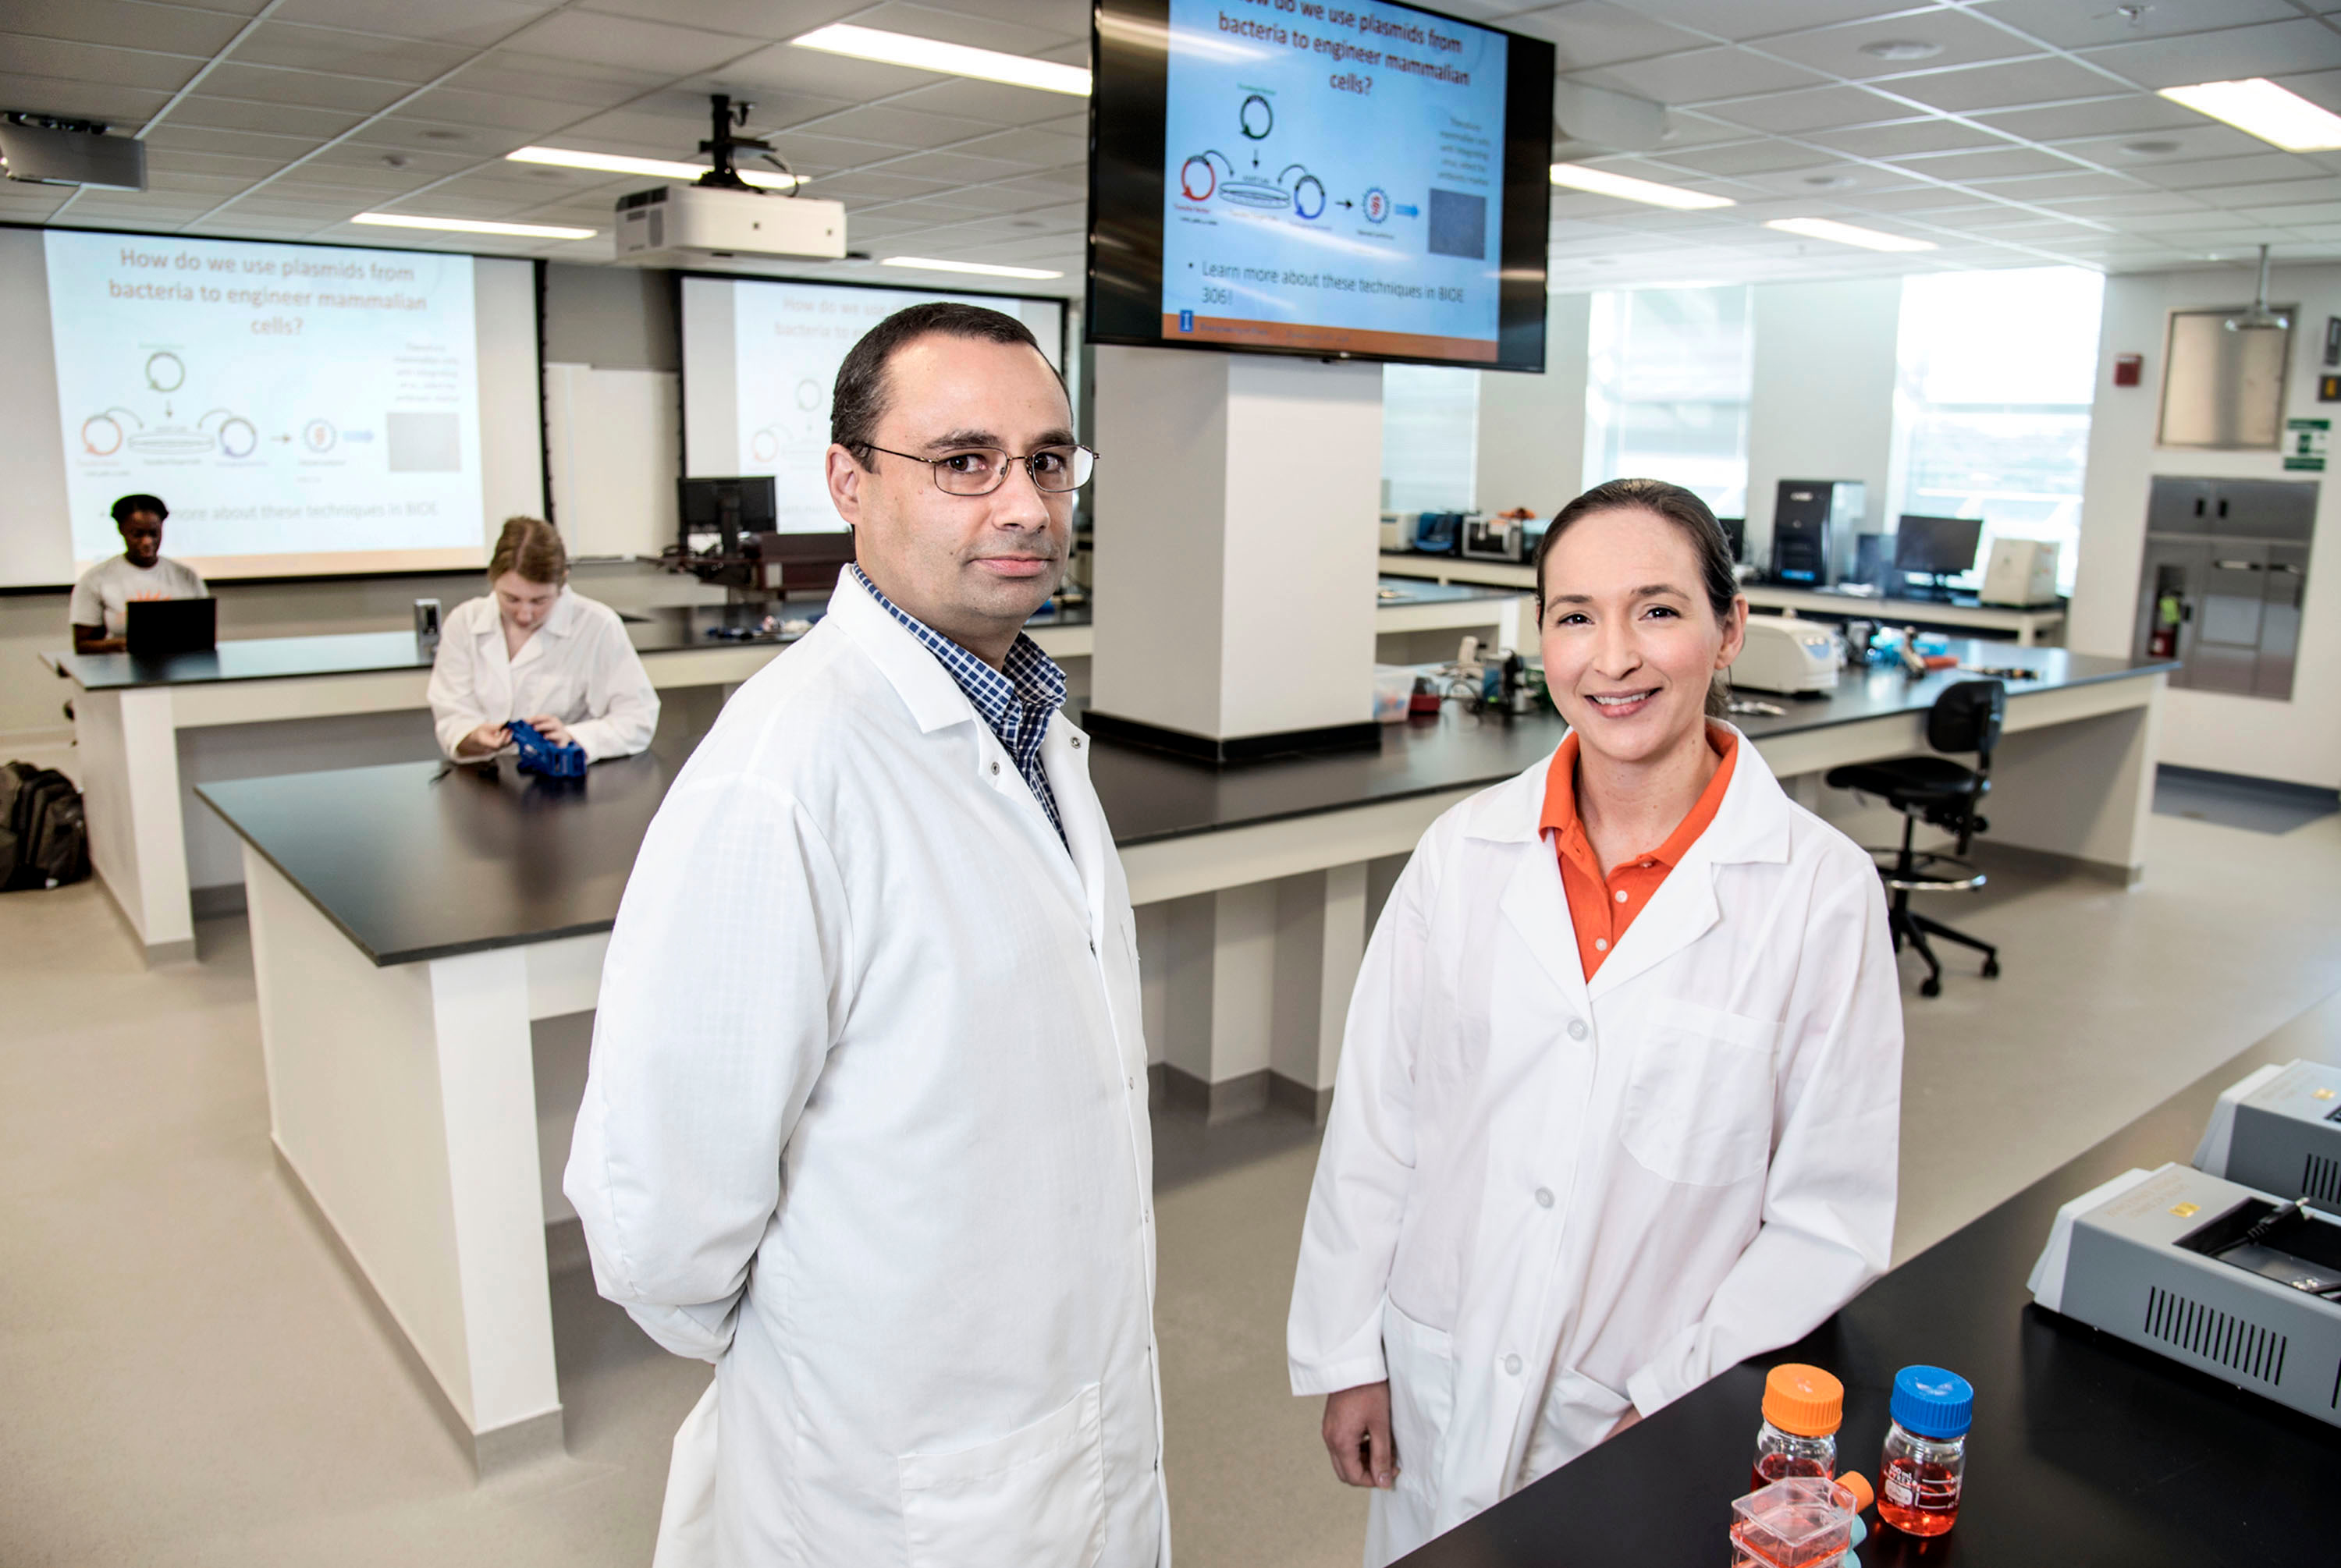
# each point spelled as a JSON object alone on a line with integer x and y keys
{"x": 981, "y": 470}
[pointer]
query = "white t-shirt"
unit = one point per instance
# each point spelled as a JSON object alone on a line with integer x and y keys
{"x": 98, "y": 599}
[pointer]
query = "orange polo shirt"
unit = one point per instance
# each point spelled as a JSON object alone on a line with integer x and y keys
{"x": 1601, "y": 908}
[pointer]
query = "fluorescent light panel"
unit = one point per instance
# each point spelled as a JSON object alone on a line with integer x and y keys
{"x": 946, "y": 59}
{"x": 474, "y": 226}
{"x": 654, "y": 168}
{"x": 1602, "y": 183}
{"x": 1849, "y": 235}
{"x": 981, "y": 269}
{"x": 2271, "y": 113}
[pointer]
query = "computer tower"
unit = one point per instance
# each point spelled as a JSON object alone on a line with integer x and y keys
{"x": 1813, "y": 524}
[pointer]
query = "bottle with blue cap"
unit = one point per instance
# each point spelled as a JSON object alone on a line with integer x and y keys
{"x": 1925, "y": 1457}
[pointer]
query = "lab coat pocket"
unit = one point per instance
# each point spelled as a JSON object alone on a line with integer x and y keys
{"x": 1033, "y": 1499}
{"x": 1422, "y": 1364}
{"x": 1699, "y": 1105}
{"x": 1576, "y": 1415}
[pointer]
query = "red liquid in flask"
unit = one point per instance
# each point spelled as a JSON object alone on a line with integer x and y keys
{"x": 1774, "y": 1467}
{"x": 1918, "y": 1499}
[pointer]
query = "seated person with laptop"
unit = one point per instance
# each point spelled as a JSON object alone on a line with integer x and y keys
{"x": 102, "y": 599}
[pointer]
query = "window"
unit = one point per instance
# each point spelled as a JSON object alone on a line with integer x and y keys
{"x": 1666, "y": 395}
{"x": 1991, "y": 403}
{"x": 1431, "y": 439}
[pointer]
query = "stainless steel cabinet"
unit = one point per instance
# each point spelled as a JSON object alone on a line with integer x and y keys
{"x": 2227, "y": 562}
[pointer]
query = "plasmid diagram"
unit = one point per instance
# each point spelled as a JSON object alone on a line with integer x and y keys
{"x": 1212, "y": 176}
{"x": 115, "y": 431}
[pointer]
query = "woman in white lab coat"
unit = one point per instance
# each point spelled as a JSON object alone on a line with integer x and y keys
{"x": 534, "y": 650}
{"x": 1620, "y": 1097}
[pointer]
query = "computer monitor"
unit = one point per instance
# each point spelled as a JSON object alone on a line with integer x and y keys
{"x": 1935, "y": 547}
{"x": 156, "y": 628}
{"x": 1735, "y": 534}
{"x": 727, "y": 508}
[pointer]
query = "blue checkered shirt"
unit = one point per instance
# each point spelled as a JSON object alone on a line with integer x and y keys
{"x": 1016, "y": 704}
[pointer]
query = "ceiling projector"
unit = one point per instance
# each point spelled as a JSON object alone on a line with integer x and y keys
{"x": 42, "y": 150}
{"x": 679, "y": 224}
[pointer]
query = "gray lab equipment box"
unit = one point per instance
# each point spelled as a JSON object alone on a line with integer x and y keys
{"x": 2161, "y": 1263}
{"x": 2279, "y": 1130}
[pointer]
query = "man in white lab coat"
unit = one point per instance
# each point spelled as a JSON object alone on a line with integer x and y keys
{"x": 866, "y": 1124}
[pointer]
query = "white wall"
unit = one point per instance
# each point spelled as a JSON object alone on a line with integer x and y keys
{"x": 614, "y": 441}
{"x": 1532, "y": 428}
{"x": 2299, "y": 741}
{"x": 1821, "y": 404}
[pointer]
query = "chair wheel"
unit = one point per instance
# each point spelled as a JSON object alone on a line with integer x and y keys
{"x": 1991, "y": 968}
{"x": 1930, "y": 987}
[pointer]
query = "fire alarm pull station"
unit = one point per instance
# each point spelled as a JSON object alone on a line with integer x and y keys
{"x": 2127, "y": 369}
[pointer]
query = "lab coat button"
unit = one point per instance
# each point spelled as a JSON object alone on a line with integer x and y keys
{"x": 1577, "y": 1028}
{"x": 1512, "y": 1364}
{"x": 995, "y": 767}
{"x": 1076, "y": 743}
{"x": 1544, "y": 1198}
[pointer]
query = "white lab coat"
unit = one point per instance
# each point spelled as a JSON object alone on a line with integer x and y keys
{"x": 1542, "y": 1202}
{"x": 866, "y": 1126}
{"x": 578, "y": 666}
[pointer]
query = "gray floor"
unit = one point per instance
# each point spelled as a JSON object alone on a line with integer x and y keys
{"x": 2261, "y": 806}
{"x": 186, "y": 1376}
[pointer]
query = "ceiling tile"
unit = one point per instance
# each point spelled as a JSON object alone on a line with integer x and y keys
{"x": 1593, "y": 33}
{"x": 490, "y": 111}
{"x": 1903, "y": 137}
{"x": 1702, "y": 75}
{"x": 2303, "y": 215}
{"x": 2065, "y": 186}
{"x": 1739, "y": 19}
{"x": 1999, "y": 86}
{"x": 889, "y": 126}
{"x": 1737, "y": 158}
{"x": 174, "y": 160}
{"x": 279, "y": 119}
{"x": 2275, "y": 193}
{"x": 603, "y": 40}
{"x": 174, "y": 134}
{"x": 166, "y": 29}
{"x": 992, "y": 101}
{"x": 2213, "y": 171}
{"x": 784, "y": 69}
{"x": 2079, "y": 24}
{"x": 63, "y": 61}
{"x": 585, "y": 85}
{"x": 2127, "y": 115}
{"x": 1985, "y": 164}
{"x": 307, "y": 89}
{"x": 1813, "y": 109}
{"x": 2199, "y": 142}
{"x": 328, "y": 49}
{"x": 1960, "y": 40}
{"x": 2270, "y": 49}
{"x": 476, "y": 23}
{"x": 1019, "y": 36}
{"x": 1046, "y": 148}
{"x": 2129, "y": 207}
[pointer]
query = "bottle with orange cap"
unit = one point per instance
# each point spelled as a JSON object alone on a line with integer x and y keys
{"x": 1803, "y": 1407}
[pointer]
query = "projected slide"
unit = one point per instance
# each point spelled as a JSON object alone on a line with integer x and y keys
{"x": 759, "y": 362}
{"x": 1334, "y": 178}
{"x": 283, "y": 399}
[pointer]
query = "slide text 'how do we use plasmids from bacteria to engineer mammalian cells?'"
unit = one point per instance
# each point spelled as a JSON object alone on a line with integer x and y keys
{"x": 1334, "y": 178}
{"x": 282, "y": 399}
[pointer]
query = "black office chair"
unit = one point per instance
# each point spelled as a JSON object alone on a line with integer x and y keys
{"x": 1966, "y": 718}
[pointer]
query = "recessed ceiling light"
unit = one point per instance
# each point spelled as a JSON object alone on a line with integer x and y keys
{"x": 654, "y": 168}
{"x": 981, "y": 269}
{"x": 946, "y": 59}
{"x": 475, "y": 226}
{"x": 1849, "y": 235}
{"x": 2265, "y": 110}
{"x": 2156, "y": 148}
{"x": 1901, "y": 49}
{"x": 1602, "y": 183}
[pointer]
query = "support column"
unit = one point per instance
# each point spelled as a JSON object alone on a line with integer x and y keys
{"x": 1237, "y": 542}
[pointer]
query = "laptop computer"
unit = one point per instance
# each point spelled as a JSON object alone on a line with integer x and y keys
{"x": 158, "y": 627}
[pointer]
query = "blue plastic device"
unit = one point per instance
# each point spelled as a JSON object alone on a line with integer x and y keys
{"x": 538, "y": 755}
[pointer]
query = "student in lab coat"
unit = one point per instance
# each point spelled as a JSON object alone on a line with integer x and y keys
{"x": 1620, "y": 1097}
{"x": 534, "y": 650}
{"x": 866, "y": 1120}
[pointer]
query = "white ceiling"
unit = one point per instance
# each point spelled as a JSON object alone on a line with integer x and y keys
{"x": 2032, "y": 137}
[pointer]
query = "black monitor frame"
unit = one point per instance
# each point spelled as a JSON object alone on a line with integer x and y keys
{"x": 1920, "y": 551}
{"x": 1130, "y": 68}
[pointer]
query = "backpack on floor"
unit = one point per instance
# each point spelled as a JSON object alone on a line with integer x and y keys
{"x": 51, "y": 844}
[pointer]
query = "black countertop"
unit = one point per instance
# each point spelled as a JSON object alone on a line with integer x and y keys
{"x": 668, "y": 629}
{"x": 2086, "y": 1450}
{"x": 405, "y": 861}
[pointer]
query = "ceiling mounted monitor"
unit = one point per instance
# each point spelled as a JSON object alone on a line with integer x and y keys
{"x": 1349, "y": 180}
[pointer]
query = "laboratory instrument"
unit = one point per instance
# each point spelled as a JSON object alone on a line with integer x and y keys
{"x": 2021, "y": 573}
{"x": 426, "y": 624}
{"x": 540, "y": 756}
{"x": 1813, "y": 524}
{"x": 2279, "y": 1130}
{"x": 2232, "y": 1282}
{"x": 1803, "y": 1407}
{"x": 1923, "y": 1467}
{"x": 1785, "y": 654}
{"x": 1510, "y": 536}
{"x": 1437, "y": 533}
